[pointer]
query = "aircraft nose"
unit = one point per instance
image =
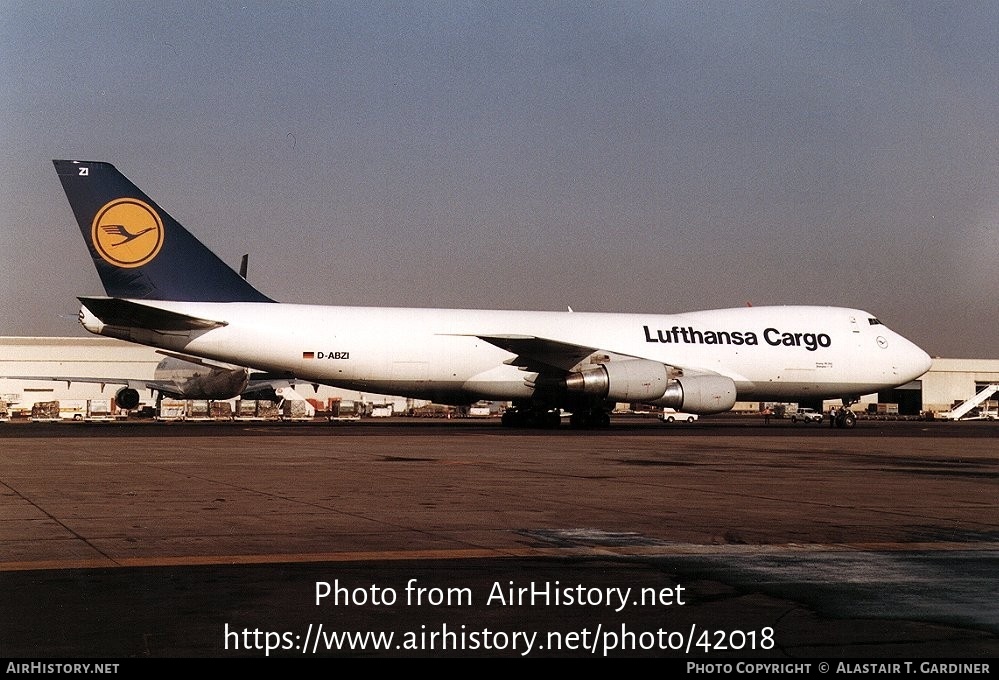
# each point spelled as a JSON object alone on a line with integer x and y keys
{"x": 914, "y": 361}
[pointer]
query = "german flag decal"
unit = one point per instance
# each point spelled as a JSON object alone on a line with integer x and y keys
{"x": 308, "y": 355}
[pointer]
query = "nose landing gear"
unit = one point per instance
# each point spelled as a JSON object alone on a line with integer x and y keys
{"x": 843, "y": 416}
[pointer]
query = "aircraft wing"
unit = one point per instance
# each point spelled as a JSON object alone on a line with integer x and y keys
{"x": 167, "y": 388}
{"x": 259, "y": 386}
{"x": 540, "y": 355}
{"x": 543, "y": 355}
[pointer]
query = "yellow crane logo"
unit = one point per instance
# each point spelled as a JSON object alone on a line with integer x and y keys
{"x": 127, "y": 233}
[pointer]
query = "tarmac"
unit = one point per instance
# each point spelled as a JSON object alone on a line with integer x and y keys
{"x": 721, "y": 539}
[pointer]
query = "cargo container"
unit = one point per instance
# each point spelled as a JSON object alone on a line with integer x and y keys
{"x": 268, "y": 410}
{"x": 256, "y": 409}
{"x": 343, "y": 410}
{"x": 297, "y": 409}
{"x": 221, "y": 410}
{"x": 381, "y": 410}
{"x": 99, "y": 410}
{"x": 246, "y": 409}
{"x": 198, "y": 409}
{"x": 172, "y": 409}
{"x": 45, "y": 412}
{"x": 888, "y": 410}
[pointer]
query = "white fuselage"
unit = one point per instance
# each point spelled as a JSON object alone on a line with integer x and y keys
{"x": 771, "y": 353}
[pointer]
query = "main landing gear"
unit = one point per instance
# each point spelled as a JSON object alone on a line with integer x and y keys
{"x": 542, "y": 417}
{"x": 532, "y": 416}
{"x": 590, "y": 418}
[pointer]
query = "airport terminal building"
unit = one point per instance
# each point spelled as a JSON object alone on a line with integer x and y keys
{"x": 948, "y": 380}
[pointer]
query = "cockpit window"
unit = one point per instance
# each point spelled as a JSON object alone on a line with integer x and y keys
{"x": 873, "y": 321}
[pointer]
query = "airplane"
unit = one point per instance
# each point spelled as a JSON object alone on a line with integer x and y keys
{"x": 166, "y": 289}
{"x": 180, "y": 381}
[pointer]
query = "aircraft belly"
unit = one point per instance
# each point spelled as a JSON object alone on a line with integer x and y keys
{"x": 789, "y": 391}
{"x": 502, "y": 391}
{"x": 441, "y": 392}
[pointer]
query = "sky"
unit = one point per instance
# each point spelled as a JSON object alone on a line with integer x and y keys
{"x": 627, "y": 156}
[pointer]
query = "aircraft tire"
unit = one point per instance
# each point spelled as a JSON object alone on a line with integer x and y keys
{"x": 598, "y": 418}
{"x": 550, "y": 420}
{"x": 846, "y": 419}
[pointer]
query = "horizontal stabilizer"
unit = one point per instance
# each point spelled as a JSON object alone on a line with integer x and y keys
{"x": 117, "y": 312}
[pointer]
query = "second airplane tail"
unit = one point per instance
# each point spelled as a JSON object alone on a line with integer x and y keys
{"x": 139, "y": 250}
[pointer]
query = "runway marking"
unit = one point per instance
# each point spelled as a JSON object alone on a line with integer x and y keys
{"x": 55, "y": 519}
{"x": 290, "y": 558}
{"x": 642, "y": 550}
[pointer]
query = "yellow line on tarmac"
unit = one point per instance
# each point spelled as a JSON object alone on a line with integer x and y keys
{"x": 677, "y": 549}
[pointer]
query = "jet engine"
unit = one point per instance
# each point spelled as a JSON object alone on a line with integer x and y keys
{"x": 127, "y": 398}
{"x": 699, "y": 394}
{"x": 631, "y": 380}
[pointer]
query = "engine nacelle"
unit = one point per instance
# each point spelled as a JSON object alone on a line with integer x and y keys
{"x": 700, "y": 394}
{"x": 127, "y": 398}
{"x": 630, "y": 380}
